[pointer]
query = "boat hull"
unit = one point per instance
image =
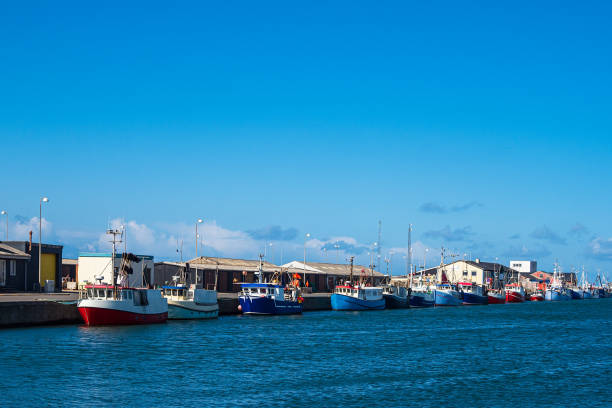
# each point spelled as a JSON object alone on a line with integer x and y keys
{"x": 421, "y": 300}
{"x": 556, "y": 296}
{"x": 191, "y": 310}
{"x": 94, "y": 316}
{"x": 576, "y": 294}
{"x": 268, "y": 306}
{"x": 496, "y": 299}
{"x": 587, "y": 294}
{"x": 343, "y": 302}
{"x": 537, "y": 298}
{"x": 396, "y": 302}
{"x": 446, "y": 299}
{"x": 474, "y": 299}
{"x": 514, "y": 297}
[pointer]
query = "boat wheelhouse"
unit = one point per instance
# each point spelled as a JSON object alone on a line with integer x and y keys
{"x": 269, "y": 299}
{"x": 190, "y": 302}
{"x": 356, "y": 297}
{"x": 472, "y": 294}
{"x": 115, "y": 305}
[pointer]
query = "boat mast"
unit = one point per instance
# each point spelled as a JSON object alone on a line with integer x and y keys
{"x": 352, "y": 259}
{"x": 115, "y": 241}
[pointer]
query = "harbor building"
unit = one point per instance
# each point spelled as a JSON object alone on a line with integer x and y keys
{"x": 226, "y": 274}
{"x": 477, "y": 272}
{"x": 96, "y": 267}
{"x": 211, "y": 272}
{"x": 19, "y": 266}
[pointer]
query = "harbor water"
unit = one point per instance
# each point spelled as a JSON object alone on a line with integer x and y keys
{"x": 540, "y": 354}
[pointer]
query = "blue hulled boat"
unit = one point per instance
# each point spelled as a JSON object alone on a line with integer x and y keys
{"x": 557, "y": 294}
{"x": 396, "y": 297}
{"x": 422, "y": 296}
{"x": 268, "y": 299}
{"x": 446, "y": 294}
{"x": 472, "y": 294}
{"x": 556, "y": 291}
{"x": 355, "y": 297}
{"x": 576, "y": 294}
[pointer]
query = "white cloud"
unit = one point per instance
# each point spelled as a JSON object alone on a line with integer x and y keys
{"x": 21, "y": 228}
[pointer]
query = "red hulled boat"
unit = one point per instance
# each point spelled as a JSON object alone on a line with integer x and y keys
{"x": 515, "y": 293}
{"x": 114, "y": 305}
{"x": 496, "y": 296}
{"x": 537, "y": 296}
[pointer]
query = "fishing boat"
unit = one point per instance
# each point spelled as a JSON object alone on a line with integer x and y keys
{"x": 515, "y": 293}
{"x": 537, "y": 296}
{"x": 495, "y": 293}
{"x": 576, "y": 293}
{"x": 496, "y": 296}
{"x": 472, "y": 294}
{"x": 396, "y": 297}
{"x": 422, "y": 296}
{"x": 446, "y": 294}
{"x": 357, "y": 296}
{"x": 264, "y": 298}
{"x": 113, "y": 305}
{"x": 556, "y": 291}
{"x": 190, "y": 302}
{"x": 119, "y": 304}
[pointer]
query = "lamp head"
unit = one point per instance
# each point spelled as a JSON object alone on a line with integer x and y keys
{"x": 199, "y": 220}
{"x": 45, "y": 200}
{"x": 3, "y": 212}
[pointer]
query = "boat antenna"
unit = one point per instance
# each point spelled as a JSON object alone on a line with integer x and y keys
{"x": 409, "y": 254}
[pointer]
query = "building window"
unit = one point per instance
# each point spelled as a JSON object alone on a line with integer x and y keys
{"x": 473, "y": 273}
{"x": 13, "y": 268}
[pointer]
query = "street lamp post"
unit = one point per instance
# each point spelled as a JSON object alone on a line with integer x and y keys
{"x": 197, "y": 236}
{"x": 4, "y": 212}
{"x": 42, "y": 200}
{"x": 305, "y": 238}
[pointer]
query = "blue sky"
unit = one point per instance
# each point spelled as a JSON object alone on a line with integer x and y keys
{"x": 487, "y": 126}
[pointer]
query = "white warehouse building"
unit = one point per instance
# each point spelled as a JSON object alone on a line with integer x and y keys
{"x": 96, "y": 267}
{"x": 524, "y": 266}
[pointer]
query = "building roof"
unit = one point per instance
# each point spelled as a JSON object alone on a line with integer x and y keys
{"x": 232, "y": 264}
{"x": 66, "y": 261}
{"x": 329, "y": 268}
{"x": 9, "y": 252}
{"x": 239, "y": 265}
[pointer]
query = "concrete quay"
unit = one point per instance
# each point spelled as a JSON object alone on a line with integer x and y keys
{"x": 34, "y": 309}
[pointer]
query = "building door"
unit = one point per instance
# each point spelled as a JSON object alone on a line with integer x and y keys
{"x": 2, "y": 272}
{"x": 48, "y": 265}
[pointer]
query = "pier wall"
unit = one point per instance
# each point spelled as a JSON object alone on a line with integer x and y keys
{"x": 34, "y": 313}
